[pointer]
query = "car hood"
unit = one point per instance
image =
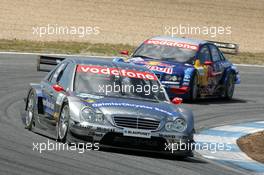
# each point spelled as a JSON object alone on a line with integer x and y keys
{"x": 129, "y": 107}
{"x": 162, "y": 67}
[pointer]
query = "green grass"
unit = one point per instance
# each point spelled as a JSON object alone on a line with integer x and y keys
{"x": 63, "y": 47}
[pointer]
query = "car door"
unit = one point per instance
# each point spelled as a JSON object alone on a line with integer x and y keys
{"x": 218, "y": 68}
{"x": 204, "y": 66}
{"x": 50, "y": 95}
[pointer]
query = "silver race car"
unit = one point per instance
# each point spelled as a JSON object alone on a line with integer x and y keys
{"x": 113, "y": 104}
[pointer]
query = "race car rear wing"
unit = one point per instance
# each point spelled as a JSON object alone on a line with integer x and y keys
{"x": 48, "y": 60}
{"x": 227, "y": 48}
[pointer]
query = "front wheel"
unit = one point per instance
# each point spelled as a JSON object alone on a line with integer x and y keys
{"x": 63, "y": 124}
{"x": 30, "y": 111}
{"x": 230, "y": 87}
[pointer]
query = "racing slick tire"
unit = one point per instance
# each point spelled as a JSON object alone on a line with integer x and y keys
{"x": 193, "y": 93}
{"x": 63, "y": 124}
{"x": 29, "y": 119}
{"x": 230, "y": 87}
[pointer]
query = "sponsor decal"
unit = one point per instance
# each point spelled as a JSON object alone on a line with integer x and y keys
{"x": 48, "y": 107}
{"x": 56, "y": 116}
{"x": 48, "y": 104}
{"x": 157, "y": 63}
{"x": 167, "y": 70}
{"x": 187, "y": 78}
{"x": 172, "y": 44}
{"x": 136, "y": 133}
{"x": 90, "y": 100}
{"x": 201, "y": 71}
{"x": 157, "y": 66}
{"x": 167, "y": 135}
{"x": 102, "y": 129}
{"x": 185, "y": 83}
{"x": 152, "y": 63}
{"x": 136, "y": 59}
{"x": 130, "y": 105}
{"x": 187, "y": 75}
{"x": 115, "y": 71}
{"x": 170, "y": 82}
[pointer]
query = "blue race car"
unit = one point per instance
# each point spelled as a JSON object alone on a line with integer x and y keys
{"x": 189, "y": 68}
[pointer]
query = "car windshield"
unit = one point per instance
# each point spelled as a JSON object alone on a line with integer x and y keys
{"x": 182, "y": 53}
{"x": 114, "y": 82}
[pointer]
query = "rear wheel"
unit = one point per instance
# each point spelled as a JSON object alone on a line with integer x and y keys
{"x": 230, "y": 87}
{"x": 30, "y": 111}
{"x": 63, "y": 124}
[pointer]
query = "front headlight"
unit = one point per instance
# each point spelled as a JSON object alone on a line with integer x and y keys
{"x": 179, "y": 125}
{"x": 89, "y": 115}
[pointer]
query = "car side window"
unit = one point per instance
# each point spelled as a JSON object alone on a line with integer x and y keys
{"x": 221, "y": 55}
{"x": 50, "y": 76}
{"x": 57, "y": 73}
{"x": 215, "y": 53}
{"x": 204, "y": 54}
{"x": 65, "y": 77}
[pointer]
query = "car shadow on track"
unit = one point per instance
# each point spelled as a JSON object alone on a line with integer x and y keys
{"x": 153, "y": 155}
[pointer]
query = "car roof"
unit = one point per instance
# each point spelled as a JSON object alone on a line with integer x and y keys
{"x": 105, "y": 61}
{"x": 180, "y": 40}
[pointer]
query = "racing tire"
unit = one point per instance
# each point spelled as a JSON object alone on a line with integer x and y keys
{"x": 63, "y": 124}
{"x": 230, "y": 87}
{"x": 29, "y": 120}
{"x": 193, "y": 93}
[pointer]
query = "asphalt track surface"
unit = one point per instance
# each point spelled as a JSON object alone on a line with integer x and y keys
{"x": 16, "y": 143}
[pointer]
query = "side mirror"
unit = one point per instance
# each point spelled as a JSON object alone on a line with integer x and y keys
{"x": 124, "y": 52}
{"x": 57, "y": 88}
{"x": 176, "y": 100}
{"x": 208, "y": 63}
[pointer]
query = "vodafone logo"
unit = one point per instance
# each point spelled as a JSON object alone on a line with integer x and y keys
{"x": 172, "y": 44}
{"x": 115, "y": 71}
